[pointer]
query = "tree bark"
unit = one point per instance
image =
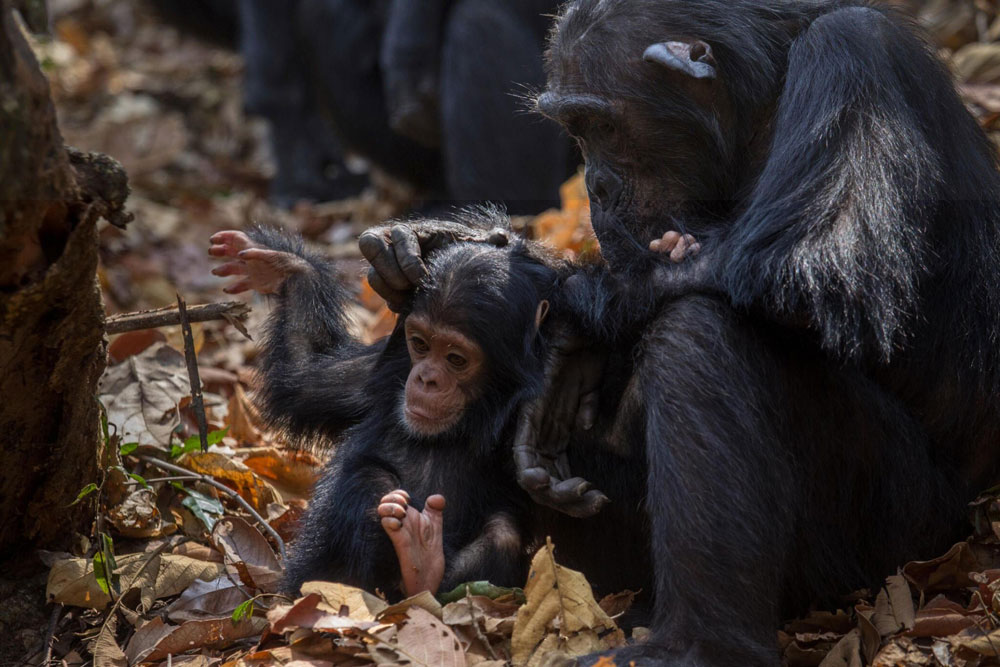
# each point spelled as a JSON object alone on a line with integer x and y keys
{"x": 52, "y": 343}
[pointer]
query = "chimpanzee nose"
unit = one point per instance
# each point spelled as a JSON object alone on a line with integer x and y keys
{"x": 604, "y": 187}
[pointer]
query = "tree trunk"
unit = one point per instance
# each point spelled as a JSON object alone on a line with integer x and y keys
{"x": 52, "y": 343}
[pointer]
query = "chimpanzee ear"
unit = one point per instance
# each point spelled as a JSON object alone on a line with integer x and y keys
{"x": 692, "y": 58}
{"x": 541, "y": 312}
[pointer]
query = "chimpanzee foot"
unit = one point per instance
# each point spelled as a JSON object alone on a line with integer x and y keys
{"x": 679, "y": 246}
{"x": 417, "y": 538}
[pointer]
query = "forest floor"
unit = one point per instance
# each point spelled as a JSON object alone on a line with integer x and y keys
{"x": 177, "y": 571}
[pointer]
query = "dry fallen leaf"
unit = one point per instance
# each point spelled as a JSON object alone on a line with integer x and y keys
{"x": 71, "y": 581}
{"x": 248, "y": 553}
{"x": 142, "y": 395}
{"x": 426, "y": 640}
{"x": 157, "y": 640}
{"x": 559, "y": 600}
{"x": 254, "y": 490}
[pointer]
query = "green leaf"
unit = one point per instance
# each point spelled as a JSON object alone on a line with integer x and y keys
{"x": 482, "y": 588}
{"x": 193, "y": 444}
{"x": 128, "y": 448}
{"x": 84, "y": 492}
{"x": 206, "y": 509}
{"x": 245, "y": 610}
{"x": 105, "y": 566}
{"x": 139, "y": 479}
{"x": 104, "y": 422}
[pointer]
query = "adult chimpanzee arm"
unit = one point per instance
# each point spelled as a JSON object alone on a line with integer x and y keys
{"x": 313, "y": 373}
{"x": 868, "y": 140}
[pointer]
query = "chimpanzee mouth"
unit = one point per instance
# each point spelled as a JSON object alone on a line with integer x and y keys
{"x": 425, "y": 422}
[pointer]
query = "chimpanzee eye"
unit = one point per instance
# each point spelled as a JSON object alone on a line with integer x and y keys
{"x": 418, "y": 344}
{"x": 456, "y": 360}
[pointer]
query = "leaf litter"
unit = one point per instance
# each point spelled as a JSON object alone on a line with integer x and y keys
{"x": 193, "y": 577}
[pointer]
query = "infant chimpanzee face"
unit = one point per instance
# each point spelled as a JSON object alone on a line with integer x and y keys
{"x": 446, "y": 375}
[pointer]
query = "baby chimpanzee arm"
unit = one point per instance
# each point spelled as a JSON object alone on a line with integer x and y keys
{"x": 313, "y": 372}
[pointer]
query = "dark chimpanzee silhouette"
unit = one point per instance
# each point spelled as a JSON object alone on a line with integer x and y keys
{"x": 387, "y": 63}
{"x": 431, "y": 92}
{"x": 821, "y": 385}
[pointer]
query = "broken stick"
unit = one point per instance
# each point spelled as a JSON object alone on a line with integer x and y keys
{"x": 235, "y": 312}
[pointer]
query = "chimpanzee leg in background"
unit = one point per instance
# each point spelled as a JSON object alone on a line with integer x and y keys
{"x": 310, "y": 161}
{"x": 411, "y": 62}
{"x": 493, "y": 149}
{"x": 216, "y": 21}
{"x": 342, "y": 40}
{"x": 747, "y": 524}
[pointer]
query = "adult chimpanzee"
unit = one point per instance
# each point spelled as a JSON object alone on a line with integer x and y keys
{"x": 474, "y": 59}
{"x": 430, "y": 410}
{"x": 822, "y": 391}
{"x": 308, "y": 156}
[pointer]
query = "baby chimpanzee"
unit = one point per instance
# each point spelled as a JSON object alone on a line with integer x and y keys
{"x": 424, "y": 415}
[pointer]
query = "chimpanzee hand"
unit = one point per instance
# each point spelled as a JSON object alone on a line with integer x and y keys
{"x": 396, "y": 253}
{"x": 679, "y": 246}
{"x": 569, "y": 400}
{"x": 262, "y": 269}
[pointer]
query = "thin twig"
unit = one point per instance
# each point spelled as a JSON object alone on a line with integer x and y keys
{"x": 197, "y": 400}
{"x": 50, "y": 636}
{"x": 234, "y": 312}
{"x": 178, "y": 478}
{"x": 163, "y": 465}
{"x": 475, "y": 623}
{"x": 135, "y": 577}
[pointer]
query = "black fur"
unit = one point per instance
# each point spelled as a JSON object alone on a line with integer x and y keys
{"x": 317, "y": 381}
{"x": 822, "y": 383}
{"x": 483, "y": 54}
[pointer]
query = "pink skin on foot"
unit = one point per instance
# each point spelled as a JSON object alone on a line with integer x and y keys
{"x": 260, "y": 269}
{"x": 679, "y": 246}
{"x": 417, "y": 538}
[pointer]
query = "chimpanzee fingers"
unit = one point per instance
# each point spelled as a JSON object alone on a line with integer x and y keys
{"x": 694, "y": 249}
{"x": 398, "y": 496}
{"x": 229, "y": 242}
{"x": 375, "y": 248}
{"x": 394, "y": 298}
{"x": 587, "y": 415}
{"x": 238, "y": 287}
{"x": 406, "y": 247}
{"x": 237, "y": 268}
{"x": 572, "y": 497}
{"x": 391, "y": 510}
{"x": 435, "y": 502}
{"x": 391, "y": 524}
{"x": 534, "y": 479}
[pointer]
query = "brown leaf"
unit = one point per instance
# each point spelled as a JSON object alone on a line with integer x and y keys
{"x": 557, "y": 599}
{"x": 426, "y": 640}
{"x": 945, "y": 572}
{"x": 142, "y": 395}
{"x": 138, "y": 516}
{"x": 361, "y": 605}
{"x": 236, "y": 475}
{"x": 72, "y": 581}
{"x": 292, "y": 469}
{"x": 161, "y": 640}
{"x": 305, "y": 613}
{"x": 244, "y": 545}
